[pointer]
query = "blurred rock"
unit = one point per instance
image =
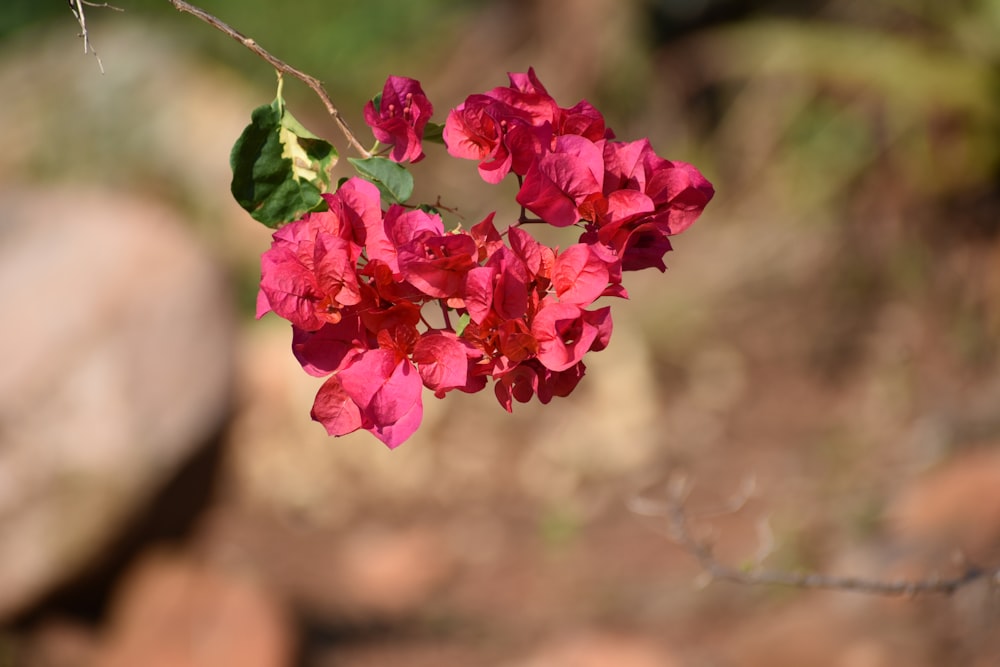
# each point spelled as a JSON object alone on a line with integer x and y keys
{"x": 160, "y": 120}
{"x": 172, "y": 612}
{"x": 59, "y": 643}
{"x": 117, "y": 366}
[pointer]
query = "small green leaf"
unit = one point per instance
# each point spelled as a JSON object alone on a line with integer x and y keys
{"x": 280, "y": 168}
{"x": 463, "y": 321}
{"x": 434, "y": 132}
{"x": 392, "y": 178}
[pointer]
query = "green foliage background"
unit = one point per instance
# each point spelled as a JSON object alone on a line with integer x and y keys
{"x": 350, "y": 42}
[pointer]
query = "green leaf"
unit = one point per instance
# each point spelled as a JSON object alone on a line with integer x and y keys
{"x": 392, "y": 178}
{"x": 279, "y": 167}
{"x": 434, "y": 132}
{"x": 463, "y": 321}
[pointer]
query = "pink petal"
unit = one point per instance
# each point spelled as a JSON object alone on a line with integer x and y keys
{"x": 579, "y": 275}
{"x": 335, "y": 409}
{"x": 388, "y": 393}
{"x": 478, "y": 292}
{"x": 330, "y": 348}
{"x": 442, "y": 361}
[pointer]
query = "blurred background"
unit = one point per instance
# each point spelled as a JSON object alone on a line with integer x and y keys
{"x": 827, "y": 331}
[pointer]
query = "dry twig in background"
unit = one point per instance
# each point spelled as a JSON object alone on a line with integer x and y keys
{"x": 76, "y": 6}
{"x": 280, "y": 65}
{"x": 682, "y": 532}
{"x": 317, "y": 87}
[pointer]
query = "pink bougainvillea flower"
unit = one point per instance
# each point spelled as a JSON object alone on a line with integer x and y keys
{"x": 500, "y": 136}
{"x": 509, "y": 128}
{"x": 557, "y": 184}
{"x": 646, "y": 199}
{"x": 519, "y": 382}
{"x": 581, "y": 274}
{"x": 471, "y": 131}
{"x": 402, "y": 314}
{"x": 399, "y": 227}
{"x": 538, "y": 259}
{"x": 511, "y": 285}
{"x": 355, "y": 206}
{"x": 443, "y": 361}
{"x": 400, "y": 117}
{"x": 527, "y": 94}
{"x": 584, "y": 120}
{"x": 678, "y": 191}
{"x": 307, "y": 276}
{"x": 565, "y": 332}
{"x": 335, "y": 409}
{"x": 522, "y": 381}
{"x": 361, "y": 286}
{"x": 331, "y": 347}
{"x": 437, "y": 265}
{"x": 379, "y": 392}
{"x": 477, "y": 293}
{"x": 644, "y": 248}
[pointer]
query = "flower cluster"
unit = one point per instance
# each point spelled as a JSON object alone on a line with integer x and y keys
{"x": 386, "y": 302}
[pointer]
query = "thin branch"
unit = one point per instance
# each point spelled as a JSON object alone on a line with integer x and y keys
{"x": 681, "y": 532}
{"x": 76, "y": 6}
{"x": 279, "y": 65}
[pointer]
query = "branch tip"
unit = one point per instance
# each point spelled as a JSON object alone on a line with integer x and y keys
{"x": 278, "y": 64}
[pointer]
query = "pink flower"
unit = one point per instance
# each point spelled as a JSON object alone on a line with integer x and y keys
{"x": 646, "y": 199}
{"x": 678, "y": 191}
{"x": 379, "y": 392}
{"x": 527, "y": 94}
{"x": 309, "y": 275}
{"x": 524, "y": 380}
{"x": 500, "y": 136}
{"x": 510, "y": 127}
{"x": 400, "y": 118}
{"x": 443, "y": 361}
{"x": 437, "y": 265}
{"x": 582, "y": 273}
{"x": 561, "y": 181}
{"x": 332, "y": 347}
{"x": 565, "y": 332}
{"x": 362, "y": 286}
{"x": 399, "y": 227}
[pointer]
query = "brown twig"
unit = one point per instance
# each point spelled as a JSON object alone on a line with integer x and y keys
{"x": 279, "y": 65}
{"x": 681, "y": 532}
{"x": 76, "y": 6}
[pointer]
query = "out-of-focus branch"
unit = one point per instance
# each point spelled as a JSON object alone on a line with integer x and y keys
{"x": 76, "y": 6}
{"x": 682, "y": 532}
{"x": 280, "y": 65}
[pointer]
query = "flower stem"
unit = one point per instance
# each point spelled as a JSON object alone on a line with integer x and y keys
{"x": 279, "y": 65}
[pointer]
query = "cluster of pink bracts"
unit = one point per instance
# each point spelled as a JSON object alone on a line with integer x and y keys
{"x": 357, "y": 282}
